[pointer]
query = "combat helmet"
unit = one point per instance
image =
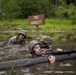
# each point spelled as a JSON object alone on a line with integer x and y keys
{"x": 22, "y": 32}
{"x": 47, "y": 40}
{"x": 32, "y": 44}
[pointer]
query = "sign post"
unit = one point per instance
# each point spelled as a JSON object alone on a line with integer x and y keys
{"x": 37, "y": 27}
{"x": 36, "y": 20}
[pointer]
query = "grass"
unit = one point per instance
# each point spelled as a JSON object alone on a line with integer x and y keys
{"x": 51, "y": 27}
{"x": 53, "y": 24}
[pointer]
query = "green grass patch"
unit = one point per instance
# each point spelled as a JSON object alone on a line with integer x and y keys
{"x": 52, "y": 28}
{"x": 52, "y": 24}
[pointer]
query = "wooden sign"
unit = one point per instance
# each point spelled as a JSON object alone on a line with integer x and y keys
{"x": 36, "y": 19}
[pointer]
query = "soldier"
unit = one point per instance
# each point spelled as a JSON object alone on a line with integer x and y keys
{"x": 35, "y": 51}
{"x": 46, "y": 42}
{"x": 19, "y": 39}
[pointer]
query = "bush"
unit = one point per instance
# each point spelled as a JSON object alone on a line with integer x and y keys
{"x": 72, "y": 13}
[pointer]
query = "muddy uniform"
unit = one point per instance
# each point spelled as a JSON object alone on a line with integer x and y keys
{"x": 14, "y": 40}
{"x": 36, "y": 51}
{"x": 46, "y": 42}
{"x": 19, "y": 39}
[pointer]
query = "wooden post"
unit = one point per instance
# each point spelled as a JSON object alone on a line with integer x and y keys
{"x": 37, "y": 27}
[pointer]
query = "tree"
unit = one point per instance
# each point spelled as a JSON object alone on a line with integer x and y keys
{"x": 9, "y": 9}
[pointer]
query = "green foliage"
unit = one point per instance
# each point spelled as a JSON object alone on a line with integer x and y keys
{"x": 51, "y": 27}
{"x": 11, "y": 72}
{"x": 51, "y": 8}
{"x": 72, "y": 13}
{"x": 3, "y": 37}
{"x": 9, "y": 9}
{"x": 6, "y": 36}
{"x": 73, "y": 38}
{"x": 61, "y": 12}
{"x": 58, "y": 36}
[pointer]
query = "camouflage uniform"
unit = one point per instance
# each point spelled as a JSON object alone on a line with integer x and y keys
{"x": 46, "y": 42}
{"x": 14, "y": 40}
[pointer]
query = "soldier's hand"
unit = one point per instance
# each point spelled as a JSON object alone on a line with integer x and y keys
{"x": 51, "y": 59}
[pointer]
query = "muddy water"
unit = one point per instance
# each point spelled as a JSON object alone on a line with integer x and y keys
{"x": 67, "y": 67}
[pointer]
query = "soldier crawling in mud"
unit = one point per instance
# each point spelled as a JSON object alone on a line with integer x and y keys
{"x": 36, "y": 51}
{"x": 19, "y": 39}
{"x": 46, "y": 43}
